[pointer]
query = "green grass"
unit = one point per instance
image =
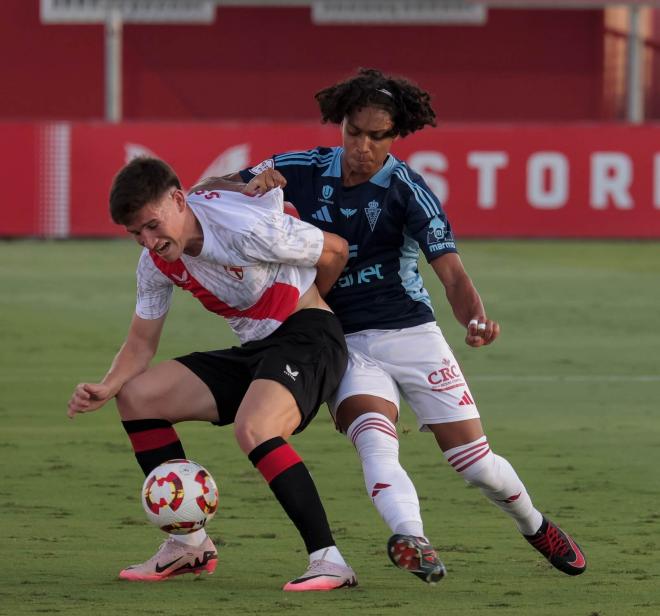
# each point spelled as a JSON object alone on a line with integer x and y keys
{"x": 569, "y": 395}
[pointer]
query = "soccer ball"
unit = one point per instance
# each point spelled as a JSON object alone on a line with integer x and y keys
{"x": 179, "y": 496}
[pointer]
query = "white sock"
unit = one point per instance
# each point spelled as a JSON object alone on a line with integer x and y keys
{"x": 193, "y": 539}
{"x": 480, "y": 467}
{"x": 387, "y": 483}
{"x": 331, "y": 554}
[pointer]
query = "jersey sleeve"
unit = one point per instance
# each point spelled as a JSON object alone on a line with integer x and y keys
{"x": 425, "y": 221}
{"x": 154, "y": 289}
{"x": 248, "y": 173}
{"x": 289, "y": 164}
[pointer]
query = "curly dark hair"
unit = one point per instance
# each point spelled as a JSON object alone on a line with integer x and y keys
{"x": 143, "y": 180}
{"x": 409, "y": 106}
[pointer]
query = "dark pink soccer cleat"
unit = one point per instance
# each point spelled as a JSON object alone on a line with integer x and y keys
{"x": 559, "y": 548}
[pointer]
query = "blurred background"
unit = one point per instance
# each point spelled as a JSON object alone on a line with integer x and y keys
{"x": 546, "y": 108}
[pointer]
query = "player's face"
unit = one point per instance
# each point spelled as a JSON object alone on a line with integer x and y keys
{"x": 367, "y": 134}
{"x": 159, "y": 226}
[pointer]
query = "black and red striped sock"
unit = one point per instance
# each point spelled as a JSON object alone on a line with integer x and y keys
{"x": 294, "y": 488}
{"x": 154, "y": 441}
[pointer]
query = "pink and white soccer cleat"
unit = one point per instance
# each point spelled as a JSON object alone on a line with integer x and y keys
{"x": 174, "y": 558}
{"x": 323, "y": 575}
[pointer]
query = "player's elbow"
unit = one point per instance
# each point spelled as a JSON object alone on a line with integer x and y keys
{"x": 342, "y": 251}
{"x": 335, "y": 248}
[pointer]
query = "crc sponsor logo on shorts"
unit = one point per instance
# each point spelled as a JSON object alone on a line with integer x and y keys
{"x": 446, "y": 377}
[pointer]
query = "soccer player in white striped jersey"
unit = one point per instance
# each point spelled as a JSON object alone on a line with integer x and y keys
{"x": 265, "y": 272}
{"x": 387, "y": 214}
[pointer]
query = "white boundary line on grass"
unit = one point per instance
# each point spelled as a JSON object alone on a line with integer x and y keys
{"x": 7, "y": 376}
{"x": 572, "y": 378}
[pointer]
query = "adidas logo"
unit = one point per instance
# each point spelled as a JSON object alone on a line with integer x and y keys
{"x": 322, "y": 214}
{"x": 466, "y": 400}
{"x": 290, "y": 372}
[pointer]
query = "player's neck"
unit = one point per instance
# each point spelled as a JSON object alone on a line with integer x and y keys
{"x": 194, "y": 234}
{"x": 350, "y": 178}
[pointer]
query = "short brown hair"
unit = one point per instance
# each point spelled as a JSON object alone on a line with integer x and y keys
{"x": 143, "y": 180}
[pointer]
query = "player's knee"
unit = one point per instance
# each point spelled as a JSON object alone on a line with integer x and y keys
{"x": 257, "y": 424}
{"x": 135, "y": 402}
{"x": 484, "y": 474}
{"x": 249, "y": 434}
{"x": 127, "y": 402}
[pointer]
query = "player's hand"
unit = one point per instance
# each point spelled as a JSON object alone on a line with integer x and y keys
{"x": 264, "y": 182}
{"x": 88, "y": 397}
{"x": 481, "y": 331}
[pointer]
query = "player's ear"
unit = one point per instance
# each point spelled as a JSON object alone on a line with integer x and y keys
{"x": 179, "y": 199}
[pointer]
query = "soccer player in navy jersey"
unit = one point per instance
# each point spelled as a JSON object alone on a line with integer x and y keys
{"x": 257, "y": 267}
{"x": 387, "y": 213}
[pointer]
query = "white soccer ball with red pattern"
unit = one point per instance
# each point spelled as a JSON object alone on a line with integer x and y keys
{"x": 180, "y": 496}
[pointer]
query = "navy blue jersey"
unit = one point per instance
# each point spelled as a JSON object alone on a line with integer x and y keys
{"x": 385, "y": 221}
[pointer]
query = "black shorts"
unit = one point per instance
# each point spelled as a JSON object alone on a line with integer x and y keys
{"x": 307, "y": 354}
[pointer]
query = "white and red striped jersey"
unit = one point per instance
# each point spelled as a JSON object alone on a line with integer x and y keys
{"x": 254, "y": 265}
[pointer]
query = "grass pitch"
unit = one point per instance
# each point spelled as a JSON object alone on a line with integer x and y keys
{"x": 569, "y": 394}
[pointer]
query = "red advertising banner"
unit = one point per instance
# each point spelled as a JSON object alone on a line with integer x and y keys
{"x": 19, "y": 208}
{"x": 494, "y": 181}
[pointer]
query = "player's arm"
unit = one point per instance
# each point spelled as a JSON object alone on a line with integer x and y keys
{"x": 331, "y": 263}
{"x": 132, "y": 359}
{"x": 284, "y": 238}
{"x": 333, "y": 259}
{"x": 260, "y": 184}
{"x": 465, "y": 300}
{"x": 229, "y": 177}
{"x": 232, "y": 181}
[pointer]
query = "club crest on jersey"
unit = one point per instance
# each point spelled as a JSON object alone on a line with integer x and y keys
{"x": 347, "y": 212}
{"x": 372, "y": 211}
{"x": 235, "y": 271}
